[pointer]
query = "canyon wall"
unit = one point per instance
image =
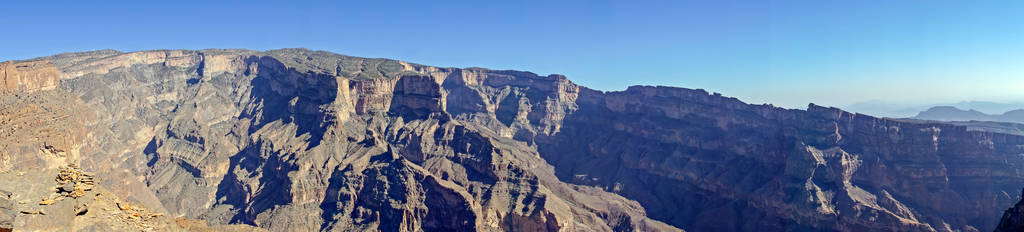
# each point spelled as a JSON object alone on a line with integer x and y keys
{"x": 294, "y": 139}
{"x": 28, "y": 76}
{"x": 705, "y": 162}
{"x": 37, "y": 125}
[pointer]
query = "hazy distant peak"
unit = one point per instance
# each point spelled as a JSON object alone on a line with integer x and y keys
{"x": 952, "y": 113}
{"x": 899, "y": 110}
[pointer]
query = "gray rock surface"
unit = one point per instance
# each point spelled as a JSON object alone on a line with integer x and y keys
{"x": 7, "y": 211}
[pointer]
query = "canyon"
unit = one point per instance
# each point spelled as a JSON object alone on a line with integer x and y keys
{"x": 303, "y": 140}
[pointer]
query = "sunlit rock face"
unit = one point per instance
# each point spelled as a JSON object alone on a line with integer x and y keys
{"x": 27, "y": 77}
{"x": 295, "y": 139}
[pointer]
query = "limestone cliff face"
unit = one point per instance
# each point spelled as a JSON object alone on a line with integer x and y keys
{"x": 29, "y": 76}
{"x": 295, "y": 139}
{"x": 40, "y": 130}
{"x": 272, "y": 138}
{"x": 819, "y": 169}
{"x": 39, "y": 127}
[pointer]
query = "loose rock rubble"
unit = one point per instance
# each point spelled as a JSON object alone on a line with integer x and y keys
{"x": 73, "y": 182}
{"x": 136, "y": 216}
{"x": 73, "y": 201}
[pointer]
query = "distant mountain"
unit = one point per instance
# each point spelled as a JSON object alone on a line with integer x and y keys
{"x": 951, "y": 113}
{"x": 902, "y": 110}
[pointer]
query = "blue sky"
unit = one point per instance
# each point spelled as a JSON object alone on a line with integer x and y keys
{"x": 787, "y": 53}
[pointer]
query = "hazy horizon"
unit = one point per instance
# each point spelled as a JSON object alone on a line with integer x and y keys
{"x": 784, "y": 53}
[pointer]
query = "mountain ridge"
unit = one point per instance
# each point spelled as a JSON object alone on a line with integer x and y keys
{"x": 906, "y": 110}
{"x": 951, "y": 113}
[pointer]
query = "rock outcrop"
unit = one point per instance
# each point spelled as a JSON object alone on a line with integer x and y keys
{"x": 41, "y": 129}
{"x": 294, "y": 139}
{"x": 1013, "y": 218}
{"x": 66, "y": 200}
{"x": 7, "y": 211}
{"x": 29, "y": 76}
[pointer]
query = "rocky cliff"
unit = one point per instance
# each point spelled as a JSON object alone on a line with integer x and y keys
{"x": 819, "y": 169}
{"x": 27, "y": 76}
{"x": 1013, "y": 218}
{"x": 304, "y": 140}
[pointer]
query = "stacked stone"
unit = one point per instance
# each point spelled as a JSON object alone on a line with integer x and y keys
{"x": 73, "y": 182}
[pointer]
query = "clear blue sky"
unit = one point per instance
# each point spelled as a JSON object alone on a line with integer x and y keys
{"x": 780, "y": 52}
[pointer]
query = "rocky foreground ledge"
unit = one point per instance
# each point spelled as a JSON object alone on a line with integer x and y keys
{"x": 68, "y": 199}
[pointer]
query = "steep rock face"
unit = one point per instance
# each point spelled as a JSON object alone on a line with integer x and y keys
{"x": 272, "y": 138}
{"x": 28, "y": 76}
{"x": 41, "y": 129}
{"x": 45, "y": 132}
{"x": 397, "y": 195}
{"x": 294, "y": 139}
{"x": 716, "y": 163}
{"x": 418, "y": 96}
{"x": 1013, "y": 218}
